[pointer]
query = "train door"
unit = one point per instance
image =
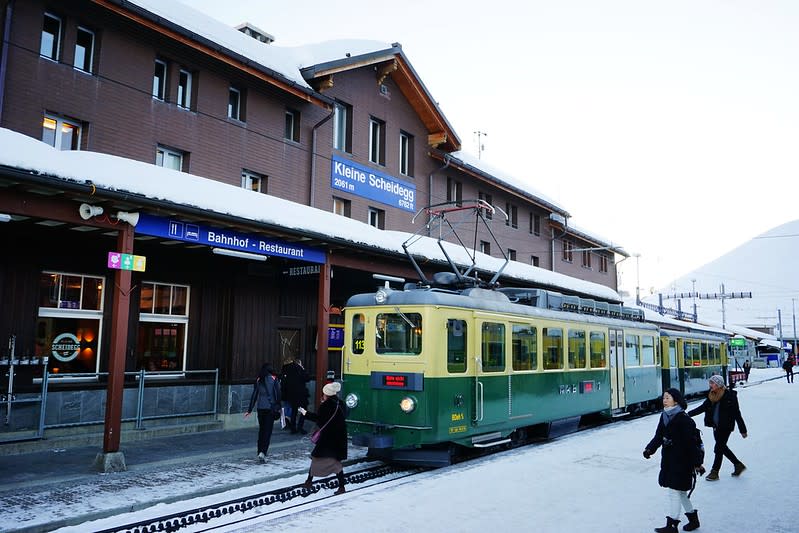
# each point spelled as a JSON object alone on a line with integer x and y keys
{"x": 616, "y": 368}
{"x": 491, "y": 380}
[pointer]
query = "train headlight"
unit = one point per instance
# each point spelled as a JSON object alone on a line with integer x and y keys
{"x": 381, "y": 296}
{"x": 407, "y": 404}
{"x": 351, "y": 400}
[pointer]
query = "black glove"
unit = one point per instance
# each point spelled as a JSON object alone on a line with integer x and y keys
{"x": 700, "y": 470}
{"x": 647, "y": 454}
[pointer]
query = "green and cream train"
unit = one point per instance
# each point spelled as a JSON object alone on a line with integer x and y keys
{"x": 426, "y": 370}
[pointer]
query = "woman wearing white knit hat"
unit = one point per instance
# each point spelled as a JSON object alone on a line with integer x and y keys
{"x": 721, "y": 413}
{"x": 331, "y": 446}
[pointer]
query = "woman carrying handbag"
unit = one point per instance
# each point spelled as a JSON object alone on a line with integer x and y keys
{"x": 331, "y": 444}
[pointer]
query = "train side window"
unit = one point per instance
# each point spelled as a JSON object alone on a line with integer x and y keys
{"x": 672, "y": 354}
{"x": 576, "y": 348}
{"x": 357, "y": 333}
{"x": 597, "y": 343}
{"x": 632, "y": 350}
{"x": 456, "y": 346}
{"x": 647, "y": 350}
{"x": 691, "y": 354}
{"x": 493, "y": 346}
{"x": 552, "y": 344}
{"x": 525, "y": 347}
{"x": 705, "y": 354}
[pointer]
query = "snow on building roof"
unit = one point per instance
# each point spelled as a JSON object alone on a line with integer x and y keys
{"x": 286, "y": 61}
{"x": 120, "y": 175}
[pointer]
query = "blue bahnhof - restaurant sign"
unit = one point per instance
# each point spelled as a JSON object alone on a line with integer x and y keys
{"x": 369, "y": 183}
{"x": 221, "y": 238}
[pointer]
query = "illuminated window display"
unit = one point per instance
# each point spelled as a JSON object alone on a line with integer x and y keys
{"x": 163, "y": 319}
{"x": 70, "y": 322}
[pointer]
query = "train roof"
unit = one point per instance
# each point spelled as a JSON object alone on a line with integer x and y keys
{"x": 498, "y": 301}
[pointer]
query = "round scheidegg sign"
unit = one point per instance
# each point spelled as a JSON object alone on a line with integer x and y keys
{"x": 65, "y": 347}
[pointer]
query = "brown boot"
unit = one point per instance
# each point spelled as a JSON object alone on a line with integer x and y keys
{"x": 713, "y": 475}
{"x": 739, "y": 468}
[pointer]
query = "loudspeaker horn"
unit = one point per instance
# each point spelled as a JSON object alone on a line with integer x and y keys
{"x": 130, "y": 218}
{"x": 88, "y": 211}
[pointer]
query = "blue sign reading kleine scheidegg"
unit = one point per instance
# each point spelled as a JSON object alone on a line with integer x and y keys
{"x": 369, "y": 183}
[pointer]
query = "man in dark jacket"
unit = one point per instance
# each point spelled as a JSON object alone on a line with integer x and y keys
{"x": 294, "y": 377}
{"x": 722, "y": 413}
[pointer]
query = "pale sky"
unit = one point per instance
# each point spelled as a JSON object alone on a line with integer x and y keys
{"x": 667, "y": 127}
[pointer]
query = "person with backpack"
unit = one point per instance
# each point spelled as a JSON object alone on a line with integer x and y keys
{"x": 680, "y": 460}
{"x": 266, "y": 395}
{"x": 721, "y": 413}
{"x": 294, "y": 377}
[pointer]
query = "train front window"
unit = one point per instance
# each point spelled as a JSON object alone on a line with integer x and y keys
{"x": 357, "y": 333}
{"x": 456, "y": 346}
{"x": 398, "y": 334}
{"x": 597, "y": 349}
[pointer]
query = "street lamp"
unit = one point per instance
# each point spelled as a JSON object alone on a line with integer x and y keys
{"x": 637, "y": 279}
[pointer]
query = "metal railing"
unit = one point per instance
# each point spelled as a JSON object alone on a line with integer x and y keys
{"x": 147, "y": 382}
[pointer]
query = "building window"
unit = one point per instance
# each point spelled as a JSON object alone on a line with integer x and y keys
{"x": 163, "y": 321}
{"x": 567, "y": 250}
{"x": 184, "y": 89}
{"x": 341, "y": 206}
{"x": 487, "y": 199}
{"x": 406, "y": 154}
{"x": 166, "y": 157}
{"x": 586, "y": 259}
{"x": 342, "y": 127}
{"x": 50, "y": 46}
{"x": 377, "y": 141}
{"x": 253, "y": 182}
{"x": 159, "y": 80}
{"x": 84, "y": 50}
{"x": 535, "y": 224}
{"x": 61, "y": 133}
{"x": 513, "y": 215}
{"x": 485, "y": 247}
{"x": 377, "y": 218}
{"x": 235, "y": 104}
{"x": 603, "y": 263}
{"x": 534, "y": 260}
{"x": 69, "y": 322}
{"x": 511, "y": 254}
{"x": 455, "y": 191}
{"x": 292, "y": 129}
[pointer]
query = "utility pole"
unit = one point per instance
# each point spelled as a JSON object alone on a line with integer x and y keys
{"x": 793, "y": 314}
{"x": 714, "y": 296}
{"x": 480, "y": 147}
{"x": 779, "y": 324}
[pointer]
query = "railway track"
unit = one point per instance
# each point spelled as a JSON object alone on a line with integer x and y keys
{"x": 293, "y": 498}
{"x": 223, "y": 514}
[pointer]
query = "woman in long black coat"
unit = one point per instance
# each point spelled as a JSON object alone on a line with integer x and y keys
{"x": 679, "y": 462}
{"x": 331, "y": 448}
